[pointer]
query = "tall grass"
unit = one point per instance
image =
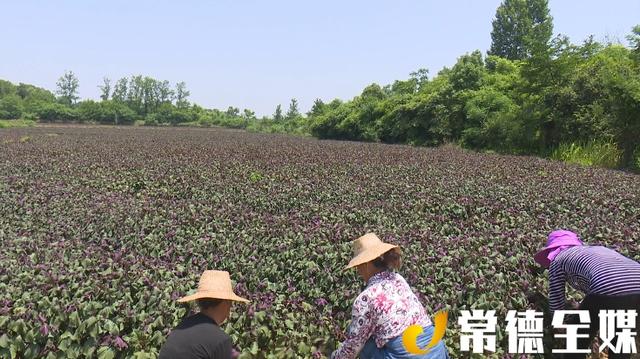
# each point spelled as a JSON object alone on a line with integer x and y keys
{"x": 594, "y": 153}
{"x": 16, "y": 123}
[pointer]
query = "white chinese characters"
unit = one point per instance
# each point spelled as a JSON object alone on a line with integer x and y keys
{"x": 525, "y": 331}
{"x": 610, "y": 321}
{"x": 479, "y": 327}
{"x": 571, "y": 330}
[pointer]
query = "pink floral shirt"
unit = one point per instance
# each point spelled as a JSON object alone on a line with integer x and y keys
{"x": 384, "y": 309}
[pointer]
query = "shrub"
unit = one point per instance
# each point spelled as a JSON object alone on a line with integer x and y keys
{"x": 169, "y": 114}
{"x": 29, "y": 116}
{"x": 90, "y": 110}
{"x": 117, "y": 113}
{"x": 218, "y": 118}
{"x": 53, "y": 111}
{"x": 11, "y": 107}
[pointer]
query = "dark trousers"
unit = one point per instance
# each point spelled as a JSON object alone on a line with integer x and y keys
{"x": 595, "y": 303}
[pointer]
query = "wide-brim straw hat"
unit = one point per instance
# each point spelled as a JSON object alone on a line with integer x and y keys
{"x": 368, "y": 248}
{"x": 215, "y": 284}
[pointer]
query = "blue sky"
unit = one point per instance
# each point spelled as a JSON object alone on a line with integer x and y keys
{"x": 257, "y": 54}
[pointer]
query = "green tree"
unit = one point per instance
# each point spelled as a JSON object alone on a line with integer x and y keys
{"x": 54, "y": 111}
{"x": 68, "y": 88}
{"x": 150, "y": 101}
{"x": 11, "y": 107}
{"x": 33, "y": 97}
{"x": 181, "y": 95}
{"x": 277, "y": 116}
{"x": 405, "y": 87}
{"x": 117, "y": 113}
{"x": 317, "y": 108}
{"x": 452, "y": 90}
{"x": 329, "y": 124}
{"x": 519, "y": 26}
{"x": 164, "y": 92}
{"x": 611, "y": 82}
{"x": 402, "y": 120}
{"x": 135, "y": 94}
{"x": 30, "y": 93}
{"x": 7, "y": 88}
{"x": 91, "y": 111}
{"x": 492, "y": 121}
{"x": 248, "y": 115}
{"x": 232, "y": 111}
{"x": 120, "y": 90}
{"x": 421, "y": 77}
{"x": 546, "y": 92}
{"x": 293, "y": 112}
{"x": 105, "y": 89}
{"x": 170, "y": 114}
{"x": 634, "y": 40}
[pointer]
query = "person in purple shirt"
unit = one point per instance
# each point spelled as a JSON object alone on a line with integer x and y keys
{"x": 608, "y": 279}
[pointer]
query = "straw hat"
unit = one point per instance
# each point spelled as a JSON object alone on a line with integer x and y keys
{"x": 368, "y": 248}
{"x": 214, "y": 284}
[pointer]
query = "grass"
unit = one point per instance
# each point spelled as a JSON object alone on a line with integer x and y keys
{"x": 16, "y": 123}
{"x": 600, "y": 154}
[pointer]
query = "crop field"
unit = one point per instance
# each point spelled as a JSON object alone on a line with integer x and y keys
{"x": 103, "y": 228}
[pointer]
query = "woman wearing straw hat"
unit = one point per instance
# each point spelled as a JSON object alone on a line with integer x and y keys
{"x": 199, "y": 335}
{"x": 385, "y": 308}
{"x": 609, "y": 280}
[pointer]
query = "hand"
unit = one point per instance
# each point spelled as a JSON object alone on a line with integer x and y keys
{"x": 572, "y": 305}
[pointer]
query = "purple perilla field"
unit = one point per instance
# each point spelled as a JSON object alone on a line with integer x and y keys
{"x": 103, "y": 228}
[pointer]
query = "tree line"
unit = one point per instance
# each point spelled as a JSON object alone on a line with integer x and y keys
{"x": 136, "y": 99}
{"x": 123, "y": 102}
{"x": 530, "y": 94}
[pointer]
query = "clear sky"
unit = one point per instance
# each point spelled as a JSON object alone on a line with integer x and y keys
{"x": 257, "y": 54}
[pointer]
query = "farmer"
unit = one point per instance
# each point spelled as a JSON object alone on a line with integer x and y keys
{"x": 199, "y": 335}
{"x": 609, "y": 280}
{"x": 385, "y": 308}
